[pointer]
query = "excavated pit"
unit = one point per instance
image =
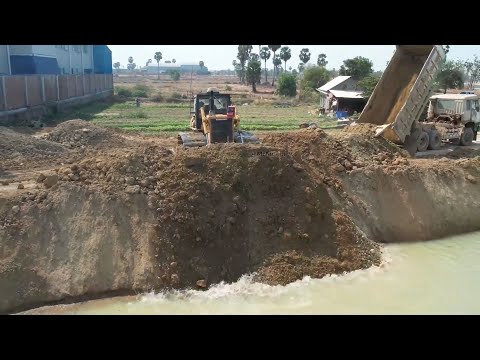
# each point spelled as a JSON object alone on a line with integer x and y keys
{"x": 132, "y": 217}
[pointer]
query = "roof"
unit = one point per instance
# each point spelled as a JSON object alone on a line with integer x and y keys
{"x": 455, "y": 97}
{"x": 347, "y": 94}
{"x": 332, "y": 83}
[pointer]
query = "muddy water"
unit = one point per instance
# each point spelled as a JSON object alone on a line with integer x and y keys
{"x": 438, "y": 277}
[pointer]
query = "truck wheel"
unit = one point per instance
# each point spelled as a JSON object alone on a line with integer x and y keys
{"x": 467, "y": 137}
{"x": 423, "y": 141}
{"x": 435, "y": 141}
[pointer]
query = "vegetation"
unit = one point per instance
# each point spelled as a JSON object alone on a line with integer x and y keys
{"x": 358, "y": 67}
{"x": 322, "y": 60}
{"x": 305, "y": 56}
{"x": 174, "y": 74}
{"x": 450, "y": 76}
{"x": 254, "y": 72}
{"x": 367, "y": 84}
{"x": 158, "y": 57}
{"x": 287, "y": 85}
{"x": 243, "y": 55}
{"x": 265, "y": 55}
{"x": 274, "y": 49}
{"x": 285, "y": 55}
{"x": 314, "y": 77}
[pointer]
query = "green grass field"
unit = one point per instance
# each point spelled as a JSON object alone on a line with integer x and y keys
{"x": 165, "y": 117}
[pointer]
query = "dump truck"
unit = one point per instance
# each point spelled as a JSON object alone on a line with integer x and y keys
{"x": 401, "y": 95}
{"x": 214, "y": 119}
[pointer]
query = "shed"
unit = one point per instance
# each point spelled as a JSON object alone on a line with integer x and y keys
{"x": 341, "y": 94}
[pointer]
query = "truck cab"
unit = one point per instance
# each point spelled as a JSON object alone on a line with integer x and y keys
{"x": 458, "y": 110}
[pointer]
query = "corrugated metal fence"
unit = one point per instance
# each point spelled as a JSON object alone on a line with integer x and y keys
{"x": 20, "y": 91}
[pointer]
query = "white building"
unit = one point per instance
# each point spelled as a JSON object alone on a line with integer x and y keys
{"x": 51, "y": 59}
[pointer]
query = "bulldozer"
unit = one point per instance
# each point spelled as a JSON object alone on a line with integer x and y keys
{"x": 214, "y": 119}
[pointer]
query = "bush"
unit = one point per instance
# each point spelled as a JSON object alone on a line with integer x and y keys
{"x": 141, "y": 91}
{"x": 121, "y": 91}
{"x": 175, "y": 75}
{"x": 157, "y": 97}
{"x": 287, "y": 85}
{"x": 314, "y": 77}
{"x": 228, "y": 88}
{"x": 309, "y": 96}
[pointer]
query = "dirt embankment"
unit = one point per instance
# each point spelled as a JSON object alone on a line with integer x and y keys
{"x": 136, "y": 217}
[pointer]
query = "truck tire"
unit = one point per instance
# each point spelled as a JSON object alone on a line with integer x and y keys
{"x": 423, "y": 141}
{"x": 467, "y": 137}
{"x": 435, "y": 141}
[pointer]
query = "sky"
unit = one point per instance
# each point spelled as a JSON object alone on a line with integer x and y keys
{"x": 220, "y": 57}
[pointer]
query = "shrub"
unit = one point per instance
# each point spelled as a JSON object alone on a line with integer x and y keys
{"x": 121, "y": 91}
{"x": 287, "y": 85}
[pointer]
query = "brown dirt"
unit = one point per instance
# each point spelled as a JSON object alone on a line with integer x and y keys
{"x": 132, "y": 215}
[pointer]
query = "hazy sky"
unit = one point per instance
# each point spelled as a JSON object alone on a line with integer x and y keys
{"x": 218, "y": 57}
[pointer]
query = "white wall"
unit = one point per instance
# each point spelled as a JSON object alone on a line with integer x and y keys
{"x": 72, "y": 59}
{"x": 44, "y": 50}
{"x": 21, "y": 50}
{"x": 4, "y": 60}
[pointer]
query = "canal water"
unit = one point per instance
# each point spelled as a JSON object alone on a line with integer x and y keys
{"x": 436, "y": 277}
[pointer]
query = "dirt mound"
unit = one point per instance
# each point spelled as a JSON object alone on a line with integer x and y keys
{"x": 214, "y": 214}
{"x": 365, "y": 129}
{"x": 80, "y": 133}
{"x": 338, "y": 152}
{"x": 17, "y": 149}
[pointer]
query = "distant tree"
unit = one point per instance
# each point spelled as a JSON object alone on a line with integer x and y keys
{"x": 117, "y": 66}
{"x": 201, "y": 64}
{"x": 174, "y": 61}
{"x": 358, "y": 67}
{"x": 314, "y": 77}
{"x": 450, "y": 76}
{"x": 265, "y": 55}
{"x": 322, "y": 60}
{"x": 276, "y": 63}
{"x": 243, "y": 55}
{"x": 287, "y": 85}
{"x": 285, "y": 55}
{"x": 305, "y": 55}
{"x": 158, "y": 57}
{"x": 274, "y": 49}
{"x": 130, "y": 62}
{"x": 254, "y": 72}
{"x": 294, "y": 72}
{"x": 175, "y": 75}
{"x": 301, "y": 67}
{"x": 367, "y": 84}
{"x": 131, "y": 66}
{"x": 472, "y": 69}
{"x": 149, "y": 61}
{"x": 446, "y": 48}
{"x": 254, "y": 57}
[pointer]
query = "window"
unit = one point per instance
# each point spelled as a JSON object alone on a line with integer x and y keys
{"x": 76, "y": 48}
{"x": 446, "y": 105}
{"x": 85, "y": 49}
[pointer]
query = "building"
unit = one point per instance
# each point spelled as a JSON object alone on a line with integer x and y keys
{"x": 341, "y": 94}
{"x": 153, "y": 68}
{"x": 55, "y": 59}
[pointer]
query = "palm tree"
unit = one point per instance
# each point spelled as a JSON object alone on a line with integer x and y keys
{"x": 158, "y": 57}
{"x": 274, "y": 49}
{"x": 265, "y": 55}
{"x": 285, "y": 55}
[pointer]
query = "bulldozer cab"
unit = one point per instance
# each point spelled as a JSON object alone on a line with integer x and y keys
{"x": 210, "y": 101}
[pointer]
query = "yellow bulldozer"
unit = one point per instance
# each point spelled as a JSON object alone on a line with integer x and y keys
{"x": 214, "y": 119}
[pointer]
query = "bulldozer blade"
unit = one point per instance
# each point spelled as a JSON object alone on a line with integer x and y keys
{"x": 192, "y": 139}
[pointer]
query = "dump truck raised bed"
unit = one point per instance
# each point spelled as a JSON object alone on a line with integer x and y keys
{"x": 401, "y": 95}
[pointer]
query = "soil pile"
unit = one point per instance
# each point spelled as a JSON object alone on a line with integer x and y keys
{"x": 137, "y": 217}
{"x": 17, "y": 149}
{"x": 80, "y": 133}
